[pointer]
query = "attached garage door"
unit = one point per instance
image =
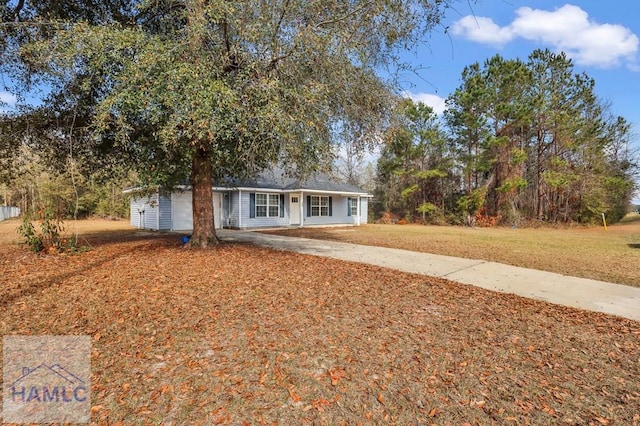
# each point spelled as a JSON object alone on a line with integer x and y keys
{"x": 182, "y": 212}
{"x": 217, "y": 209}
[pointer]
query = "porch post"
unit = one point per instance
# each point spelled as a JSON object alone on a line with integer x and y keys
{"x": 358, "y": 210}
{"x": 301, "y": 203}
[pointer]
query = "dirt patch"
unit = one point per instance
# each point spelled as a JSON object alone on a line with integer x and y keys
{"x": 247, "y": 335}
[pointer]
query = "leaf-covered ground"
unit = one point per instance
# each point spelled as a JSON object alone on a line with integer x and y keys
{"x": 246, "y": 335}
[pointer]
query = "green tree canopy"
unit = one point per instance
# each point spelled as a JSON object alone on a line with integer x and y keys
{"x": 212, "y": 88}
{"x": 538, "y": 141}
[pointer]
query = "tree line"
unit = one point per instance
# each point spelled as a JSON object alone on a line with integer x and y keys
{"x": 519, "y": 141}
{"x": 202, "y": 89}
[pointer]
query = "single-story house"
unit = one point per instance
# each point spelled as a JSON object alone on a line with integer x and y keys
{"x": 272, "y": 200}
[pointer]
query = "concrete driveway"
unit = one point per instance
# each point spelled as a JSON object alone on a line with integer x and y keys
{"x": 592, "y": 295}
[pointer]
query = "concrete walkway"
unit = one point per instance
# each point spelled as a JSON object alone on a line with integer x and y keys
{"x": 598, "y": 296}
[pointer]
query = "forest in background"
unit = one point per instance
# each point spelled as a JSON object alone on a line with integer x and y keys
{"x": 518, "y": 142}
{"x": 63, "y": 189}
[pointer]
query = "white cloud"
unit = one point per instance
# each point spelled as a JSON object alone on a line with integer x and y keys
{"x": 567, "y": 29}
{"x": 8, "y": 98}
{"x": 434, "y": 101}
{"x": 482, "y": 30}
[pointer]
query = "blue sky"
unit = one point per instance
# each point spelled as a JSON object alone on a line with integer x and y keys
{"x": 601, "y": 37}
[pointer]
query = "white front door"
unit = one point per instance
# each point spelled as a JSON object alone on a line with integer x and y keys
{"x": 294, "y": 209}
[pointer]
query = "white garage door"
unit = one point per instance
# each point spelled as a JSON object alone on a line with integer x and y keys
{"x": 182, "y": 212}
{"x": 217, "y": 209}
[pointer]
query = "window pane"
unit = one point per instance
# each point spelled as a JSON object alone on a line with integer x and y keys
{"x": 261, "y": 199}
{"x": 274, "y": 199}
{"x": 274, "y": 211}
{"x": 315, "y": 201}
{"x": 315, "y": 211}
{"x": 261, "y": 211}
{"x": 324, "y": 211}
{"x": 324, "y": 201}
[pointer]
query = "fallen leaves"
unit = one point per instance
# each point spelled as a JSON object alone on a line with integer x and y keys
{"x": 337, "y": 374}
{"x": 246, "y": 335}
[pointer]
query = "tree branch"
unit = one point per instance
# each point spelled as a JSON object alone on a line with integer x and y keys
{"x": 343, "y": 17}
{"x": 17, "y": 9}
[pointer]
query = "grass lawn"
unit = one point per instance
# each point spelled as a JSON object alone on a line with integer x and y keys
{"x": 245, "y": 335}
{"x": 612, "y": 255}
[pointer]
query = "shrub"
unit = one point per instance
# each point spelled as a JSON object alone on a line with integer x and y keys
{"x": 31, "y": 237}
{"x": 50, "y": 238}
{"x": 388, "y": 218}
{"x": 486, "y": 221}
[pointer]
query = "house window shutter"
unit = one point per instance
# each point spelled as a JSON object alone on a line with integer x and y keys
{"x": 281, "y": 205}
{"x": 349, "y": 206}
{"x": 308, "y": 205}
{"x": 252, "y": 205}
{"x": 330, "y": 206}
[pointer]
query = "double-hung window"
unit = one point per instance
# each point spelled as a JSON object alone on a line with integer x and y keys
{"x": 353, "y": 207}
{"x": 319, "y": 205}
{"x": 267, "y": 205}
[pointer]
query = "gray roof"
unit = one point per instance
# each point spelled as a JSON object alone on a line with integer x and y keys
{"x": 277, "y": 179}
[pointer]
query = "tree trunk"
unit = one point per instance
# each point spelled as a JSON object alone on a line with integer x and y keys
{"x": 204, "y": 233}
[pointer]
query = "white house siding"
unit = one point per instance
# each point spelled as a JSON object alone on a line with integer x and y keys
{"x": 240, "y": 212}
{"x": 339, "y": 213}
{"x": 261, "y": 222}
{"x": 145, "y": 210}
{"x": 164, "y": 212}
{"x": 234, "y": 210}
{"x": 224, "y": 212}
{"x": 174, "y": 212}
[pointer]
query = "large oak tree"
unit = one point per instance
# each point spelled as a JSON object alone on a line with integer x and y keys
{"x": 208, "y": 89}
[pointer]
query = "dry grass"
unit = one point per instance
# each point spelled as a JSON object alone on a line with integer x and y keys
{"x": 84, "y": 228}
{"x": 246, "y": 335}
{"x": 612, "y": 255}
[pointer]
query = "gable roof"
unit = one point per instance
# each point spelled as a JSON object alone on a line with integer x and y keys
{"x": 278, "y": 180}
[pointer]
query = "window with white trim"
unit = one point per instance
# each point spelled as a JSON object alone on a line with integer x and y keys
{"x": 353, "y": 207}
{"x": 267, "y": 205}
{"x": 319, "y": 205}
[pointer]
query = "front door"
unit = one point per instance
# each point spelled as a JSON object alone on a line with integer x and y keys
{"x": 294, "y": 209}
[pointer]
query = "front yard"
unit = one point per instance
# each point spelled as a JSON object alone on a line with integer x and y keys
{"x": 245, "y": 335}
{"x": 611, "y": 255}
